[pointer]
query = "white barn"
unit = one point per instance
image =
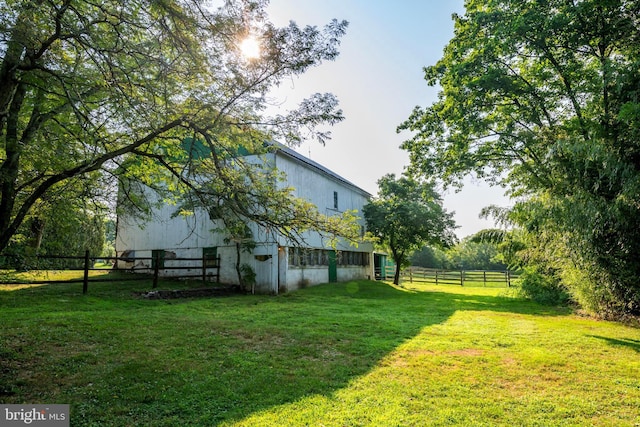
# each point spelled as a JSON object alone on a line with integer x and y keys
{"x": 279, "y": 267}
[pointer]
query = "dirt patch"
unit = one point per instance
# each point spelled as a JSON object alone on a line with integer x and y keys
{"x": 219, "y": 291}
{"x": 473, "y": 352}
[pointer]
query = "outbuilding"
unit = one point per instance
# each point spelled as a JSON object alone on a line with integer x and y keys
{"x": 278, "y": 264}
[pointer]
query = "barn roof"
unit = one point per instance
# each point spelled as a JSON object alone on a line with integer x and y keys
{"x": 197, "y": 149}
{"x": 288, "y": 152}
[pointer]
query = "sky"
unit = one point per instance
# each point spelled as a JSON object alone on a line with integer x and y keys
{"x": 378, "y": 79}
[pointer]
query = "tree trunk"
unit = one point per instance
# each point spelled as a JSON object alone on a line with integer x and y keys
{"x": 37, "y": 231}
{"x": 396, "y": 277}
{"x": 238, "y": 271}
{"x": 10, "y": 166}
{"x": 398, "y": 258}
{"x": 8, "y": 82}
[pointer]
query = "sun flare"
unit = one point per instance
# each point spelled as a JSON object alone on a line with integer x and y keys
{"x": 250, "y": 47}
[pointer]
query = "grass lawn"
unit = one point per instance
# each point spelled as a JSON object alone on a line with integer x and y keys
{"x": 353, "y": 354}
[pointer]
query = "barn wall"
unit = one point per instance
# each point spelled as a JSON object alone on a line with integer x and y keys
{"x": 318, "y": 188}
{"x": 302, "y": 277}
{"x": 186, "y": 236}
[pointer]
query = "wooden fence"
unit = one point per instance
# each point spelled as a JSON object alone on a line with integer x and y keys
{"x": 154, "y": 267}
{"x": 461, "y": 277}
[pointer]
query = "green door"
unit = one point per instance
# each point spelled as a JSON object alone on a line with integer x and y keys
{"x": 333, "y": 267}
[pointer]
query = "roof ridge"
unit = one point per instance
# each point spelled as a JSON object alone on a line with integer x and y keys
{"x": 300, "y": 157}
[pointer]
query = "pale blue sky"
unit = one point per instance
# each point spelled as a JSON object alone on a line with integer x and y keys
{"x": 378, "y": 79}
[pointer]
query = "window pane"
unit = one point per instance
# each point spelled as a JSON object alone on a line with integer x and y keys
{"x": 210, "y": 256}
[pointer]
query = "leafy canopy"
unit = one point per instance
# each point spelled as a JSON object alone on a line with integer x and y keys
{"x": 116, "y": 87}
{"x": 406, "y": 215}
{"x": 542, "y": 96}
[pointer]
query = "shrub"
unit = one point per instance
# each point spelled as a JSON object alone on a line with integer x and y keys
{"x": 248, "y": 276}
{"x": 542, "y": 288}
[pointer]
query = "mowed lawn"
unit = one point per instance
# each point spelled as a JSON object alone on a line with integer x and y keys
{"x": 353, "y": 354}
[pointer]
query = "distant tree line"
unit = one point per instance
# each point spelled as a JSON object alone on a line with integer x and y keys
{"x": 465, "y": 255}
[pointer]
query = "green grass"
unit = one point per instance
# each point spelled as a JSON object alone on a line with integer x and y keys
{"x": 467, "y": 283}
{"x": 472, "y": 278}
{"x": 360, "y": 353}
{"x": 11, "y": 276}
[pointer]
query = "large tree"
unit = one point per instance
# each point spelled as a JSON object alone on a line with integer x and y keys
{"x": 119, "y": 87}
{"x": 543, "y": 96}
{"x": 406, "y": 215}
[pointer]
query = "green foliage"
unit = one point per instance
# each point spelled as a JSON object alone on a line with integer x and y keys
{"x": 248, "y": 275}
{"x": 571, "y": 258}
{"x": 470, "y": 255}
{"x": 491, "y": 235}
{"x": 407, "y": 215}
{"x": 117, "y": 88}
{"x": 543, "y": 98}
{"x": 108, "y": 249}
{"x": 588, "y": 293}
{"x": 61, "y": 226}
{"x": 477, "y": 252}
{"x": 72, "y": 232}
{"x": 252, "y": 189}
{"x": 429, "y": 257}
{"x": 541, "y": 288}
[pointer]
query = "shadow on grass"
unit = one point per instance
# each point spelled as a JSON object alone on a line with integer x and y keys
{"x": 624, "y": 342}
{"x": 120, "y": 360}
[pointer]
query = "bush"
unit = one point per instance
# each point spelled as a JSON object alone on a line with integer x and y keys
{"x": 592, "y": 289}
{"x": 248, "y": 276}
{"x": 542, "y": 288}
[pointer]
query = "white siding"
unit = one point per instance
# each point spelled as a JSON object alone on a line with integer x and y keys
{"x": 186, "y": 236}
{"x": 318, "y": 188}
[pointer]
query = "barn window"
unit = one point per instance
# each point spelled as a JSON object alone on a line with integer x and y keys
{"x": 303, "y": 257}
{"x": 347, "y": 258}
{"x": 294, "y": 257}
{"x": 210, "y": 257}
{"x": 335, "y": 200}
{"x": 324, "y": 260}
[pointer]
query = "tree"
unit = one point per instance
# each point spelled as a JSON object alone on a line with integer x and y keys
{"x": 542, "y": 96}
{"x": 119, "y": 87}
{"x": 66, "y": 221}
{"x": 429, "y": 257}
{"x": 406, "y": 215}
{"x": 72, "y": 230}
{"x": 471, "y": 254}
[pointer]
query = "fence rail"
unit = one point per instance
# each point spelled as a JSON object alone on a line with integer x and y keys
{"x": 156, "y": 267}
{"x": 458, "y": 277}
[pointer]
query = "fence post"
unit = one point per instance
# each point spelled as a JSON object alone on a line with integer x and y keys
{"x": 410, "y": 275}
{"x": 436, "y": 276}
{"x": 484, "y": 278}
{"x": 508, "y": 279}
{"x": 218, "y": 269}
{"x": 85, "y": 280}
{"x": 204, "y": 269}
{"x": 461, "y": 277}
{"x": 156, "y": 269}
